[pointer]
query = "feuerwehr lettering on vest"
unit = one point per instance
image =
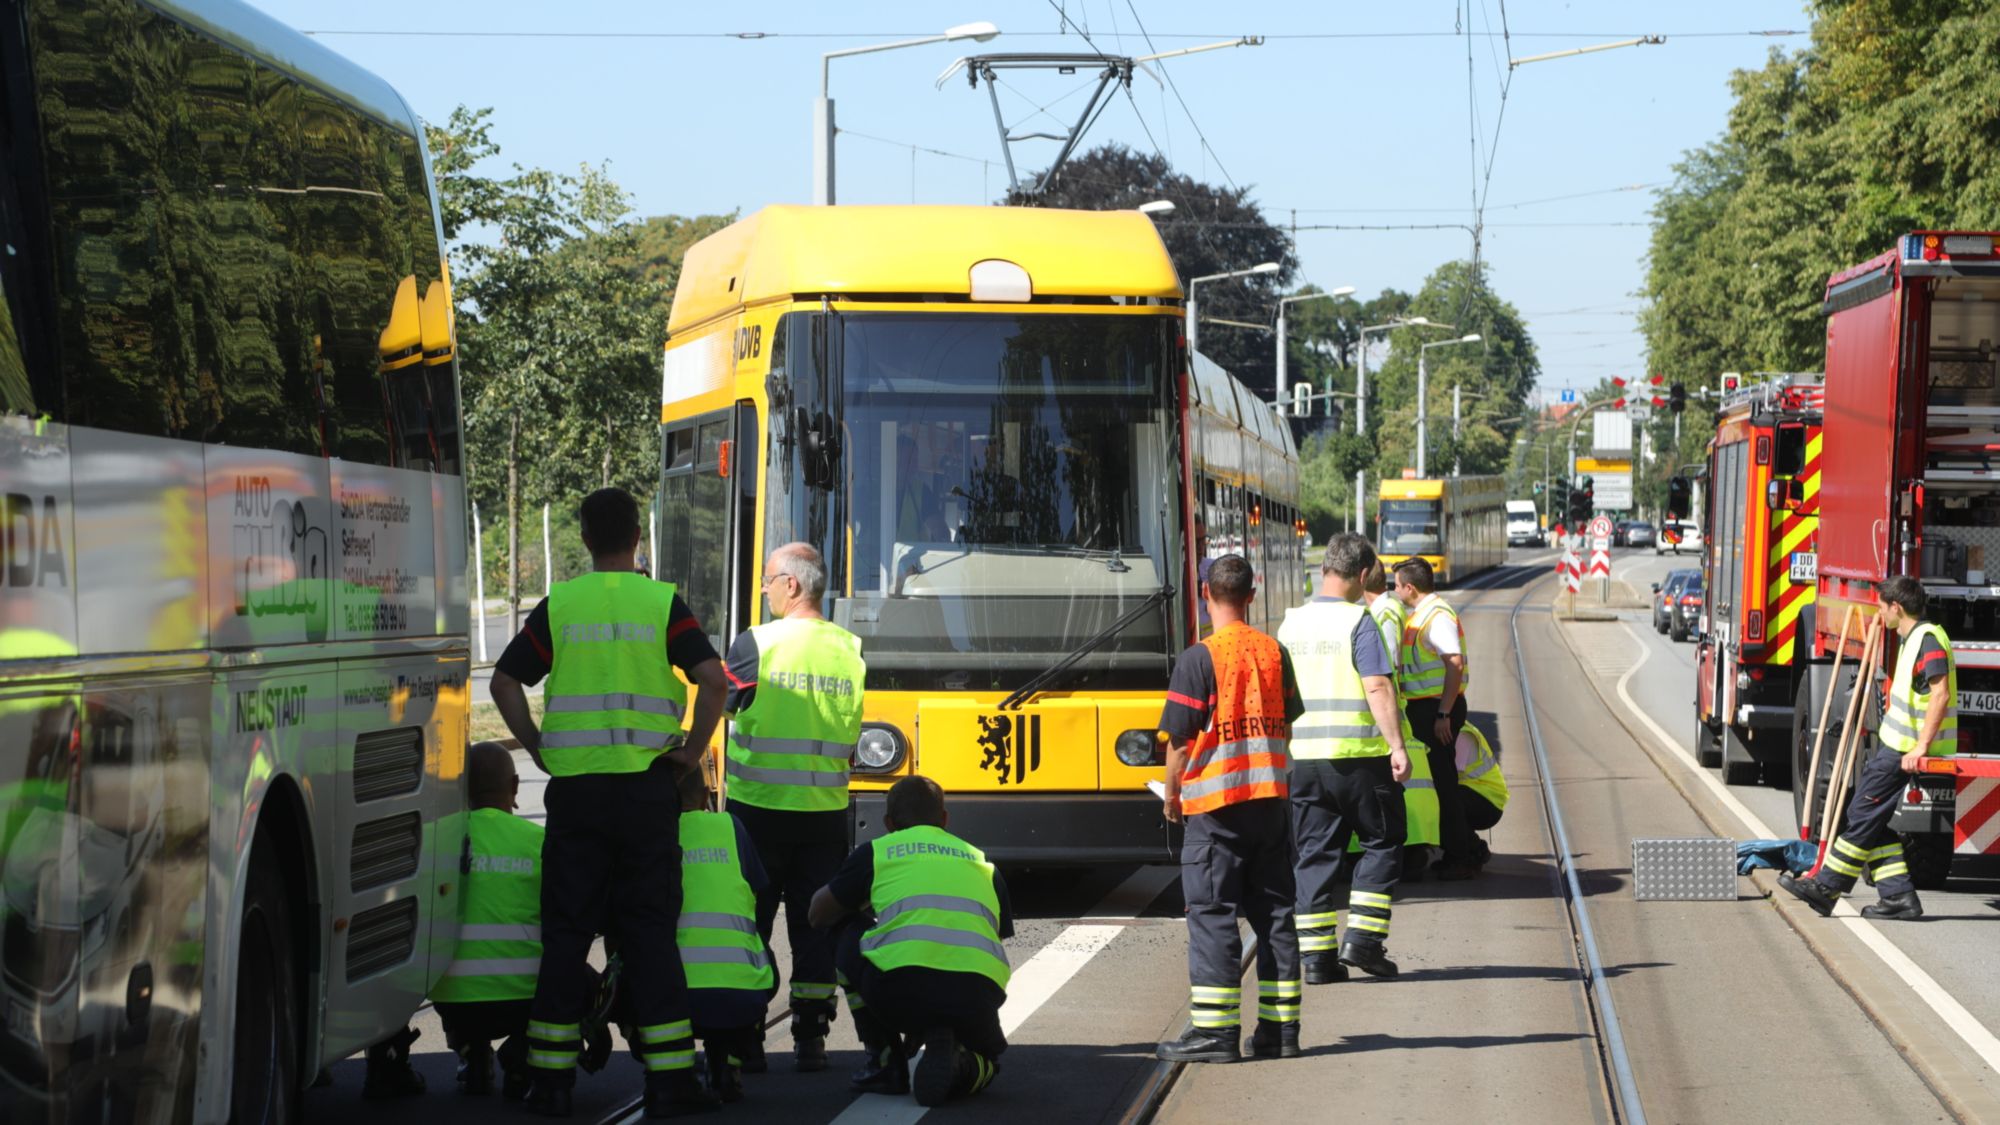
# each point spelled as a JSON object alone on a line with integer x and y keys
{"x": 704, "y": 855}
{"x": 806, "y": 681}
{"x": 915, "y": 848}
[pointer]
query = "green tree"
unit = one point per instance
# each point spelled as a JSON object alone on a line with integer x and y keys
{"x": 1494, "y": 376}
{"x": 1211, "y": 230}
{"x": 561, "y": 317}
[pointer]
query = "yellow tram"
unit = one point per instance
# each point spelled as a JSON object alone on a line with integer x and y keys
{"x": 986, "y": 420}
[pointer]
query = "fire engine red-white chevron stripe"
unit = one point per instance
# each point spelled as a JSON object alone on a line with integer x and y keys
{"x": 1600, "y": 564}
{"x": 1977, "y": 827}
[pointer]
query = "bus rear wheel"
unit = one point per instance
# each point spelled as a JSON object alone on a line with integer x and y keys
{"x": 263, "y": 1080}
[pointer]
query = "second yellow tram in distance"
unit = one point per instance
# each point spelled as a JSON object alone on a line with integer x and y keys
{"x": 985, "y": 419}
{"x": 1457, "y": 524}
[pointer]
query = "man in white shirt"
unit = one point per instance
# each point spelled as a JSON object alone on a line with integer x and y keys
{"x": 1434, "y": 675}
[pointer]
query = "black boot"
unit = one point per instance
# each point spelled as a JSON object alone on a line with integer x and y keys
{"x": 937, "y": 1068}
{"x": 1275, "y": 1040}
{"x": 1904, "y": 907}
{"x": 723, "y": 1076}
{"x": 1324, "y": 968}
{"x": 678, "y": 1093}
{"x": 752, "y": 1060}
{"x": 389, "y": 1073}
{"x": 972, "y": 1073}
{"x": 548, "y": 1099}
{"x": 809, "y": 1041}
{"x": 1368, "y": 956}
{"x": 1204, "y": 1044}
{"x": 887, "y": 1071}
{"x": 475, "y": 1068}
{"x": 1810, "y": 891}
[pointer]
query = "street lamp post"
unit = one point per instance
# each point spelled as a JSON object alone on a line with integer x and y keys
{"x": 1261, "y": 267}
{"x": 1423, "y": 394}
{"x": 1284, "y": 388}
{"x": 823, "y": 129}
{"x": 1361, "y": 403}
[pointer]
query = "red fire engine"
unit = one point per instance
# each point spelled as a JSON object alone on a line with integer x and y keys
{"x": 1758, "y": 575}
{"x": 1912, "y": 432}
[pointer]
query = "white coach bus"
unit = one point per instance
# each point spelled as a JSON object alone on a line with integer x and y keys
{"x": 233, "y": 617}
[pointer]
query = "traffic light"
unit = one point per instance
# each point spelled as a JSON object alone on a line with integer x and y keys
{"x": 1302, "y": 400}
{"x": 1677, "y": 398}
{"x": 1579, "y": 509}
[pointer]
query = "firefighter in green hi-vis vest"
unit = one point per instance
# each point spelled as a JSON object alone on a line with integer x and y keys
{"x": 1434, "y": 675}
{"x": 1420, "y": 799}
{"x": 729, "y": 973}
{"x": 612, "y": 741}
{"x": 485, "y": 992}
{"x": 1921, "y": 721}
{"x": 795, "y": 685}
{"x": 924, "y": 964}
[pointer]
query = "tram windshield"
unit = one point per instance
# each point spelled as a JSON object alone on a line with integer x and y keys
{"x": 1409, "y": 527}
{"x": 1010, "y": 485}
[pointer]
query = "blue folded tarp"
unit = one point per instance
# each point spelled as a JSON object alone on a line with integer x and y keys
{"x": 1794, "y": 856}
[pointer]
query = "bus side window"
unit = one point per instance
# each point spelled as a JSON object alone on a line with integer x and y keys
{"x": 28, "y": 381}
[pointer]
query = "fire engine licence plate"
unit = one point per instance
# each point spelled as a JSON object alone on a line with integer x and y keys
{"x": 1805, "y": 566}
{"x": 1979, "y": 702}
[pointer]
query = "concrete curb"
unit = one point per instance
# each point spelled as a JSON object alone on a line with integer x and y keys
{"x": 1937, "y": 1055}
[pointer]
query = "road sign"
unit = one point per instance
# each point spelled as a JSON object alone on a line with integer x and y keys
{"x": 1569, "y": 394}
{"x": 1600, "y": 562}
{"x": 1640, "y": 411}
{"x": 1571, "y": 571}
{"x": 1614, "y": 490}
{"x": 1600, "y": 527}
{"x": 1587, "y": 466}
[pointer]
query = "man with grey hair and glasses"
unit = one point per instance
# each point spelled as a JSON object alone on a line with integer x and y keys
{"x": 795, "y": 688}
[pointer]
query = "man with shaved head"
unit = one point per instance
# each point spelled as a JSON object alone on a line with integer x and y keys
{"x": 486, "y": 992}
{"x": 795, "y": 686}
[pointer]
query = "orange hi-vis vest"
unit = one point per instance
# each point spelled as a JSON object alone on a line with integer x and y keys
{"x": 1242, "y": 755}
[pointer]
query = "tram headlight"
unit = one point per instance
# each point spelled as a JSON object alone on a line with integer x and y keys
{"x": 1140, "y": 748}
{"x": 880, "y": 749}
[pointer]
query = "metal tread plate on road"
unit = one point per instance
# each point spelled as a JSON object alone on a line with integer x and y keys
{"x": 1693, "y": 869}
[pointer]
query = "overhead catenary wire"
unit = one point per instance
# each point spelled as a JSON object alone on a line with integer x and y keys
{"x": 753, "y": 36}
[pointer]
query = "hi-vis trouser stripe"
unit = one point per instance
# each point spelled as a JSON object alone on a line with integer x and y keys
{"x": 1319, "y": 933}
{"x": 1211, "y": 1007}
{"x": 983, "y": 1070}
{"x": 667, "y": 1046}
{"x": 1886, "y": 862}
{"x": 854, "y": 1001}
{"x": 554, "y": 1046}
{"x": 1844, "y": 860}
{"x": 1368, "y": 912}
{"x": 806, "y": 990}
{"x": 1278, "y": 1000}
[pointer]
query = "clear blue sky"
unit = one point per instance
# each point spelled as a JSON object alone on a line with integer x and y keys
{"x": 1361, "y": 119}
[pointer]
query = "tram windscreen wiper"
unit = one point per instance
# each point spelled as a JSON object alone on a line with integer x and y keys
{"x": 1041, "y": 682}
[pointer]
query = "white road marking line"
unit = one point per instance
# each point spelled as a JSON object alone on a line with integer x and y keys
{"x": 1036, "y": 982}
{"x": 1962, "y": 1022}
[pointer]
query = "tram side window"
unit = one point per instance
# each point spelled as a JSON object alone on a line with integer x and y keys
{"x": 694, "y": 541}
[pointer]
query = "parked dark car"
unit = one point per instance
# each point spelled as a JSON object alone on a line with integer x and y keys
{"x": 1667, "y": 594}
{"x": 1685, "y": 613}
{"x": 1639, "y": 533}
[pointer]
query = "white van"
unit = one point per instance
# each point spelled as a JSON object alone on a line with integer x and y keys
{"x": 1524, "y": 525}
